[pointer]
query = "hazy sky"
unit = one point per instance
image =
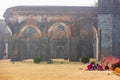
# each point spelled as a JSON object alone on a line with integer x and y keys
{"x": 4, "y": 4}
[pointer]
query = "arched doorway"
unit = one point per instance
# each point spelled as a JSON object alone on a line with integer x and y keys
{"x": 5, "y": 40}
{"x": 59, "y": 35}
{"x": 29, "y": 41}
{"x": 88, "y": 45}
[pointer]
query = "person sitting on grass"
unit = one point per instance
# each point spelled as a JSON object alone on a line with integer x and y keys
{"x": 99, "y": 67}
{"x": 92, "y": 66}
{"x": 107, "y": 67}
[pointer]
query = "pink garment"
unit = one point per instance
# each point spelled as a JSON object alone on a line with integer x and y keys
{"x": 109, "y": 60}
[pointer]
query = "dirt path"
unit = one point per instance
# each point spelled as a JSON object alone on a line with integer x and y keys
{"x": 31, "y": 71}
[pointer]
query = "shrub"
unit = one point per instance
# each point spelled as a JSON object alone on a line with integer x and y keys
{"x": 85, "y": 59}
{"x": 37, "y": 59}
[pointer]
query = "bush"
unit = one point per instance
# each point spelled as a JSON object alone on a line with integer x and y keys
{"x": 37, "y": 59}
{"x": 85, "y": 59}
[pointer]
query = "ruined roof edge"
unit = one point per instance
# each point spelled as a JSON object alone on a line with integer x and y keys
{"x": 48, "y": 8}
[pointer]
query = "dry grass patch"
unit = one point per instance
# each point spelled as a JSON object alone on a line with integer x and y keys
{"x": 27, "y": 70}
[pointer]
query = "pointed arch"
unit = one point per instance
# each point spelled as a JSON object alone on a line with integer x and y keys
{"x": 59, "y": 30}
{"x": 89, "y": 41}
{"x": 36, "y": 34}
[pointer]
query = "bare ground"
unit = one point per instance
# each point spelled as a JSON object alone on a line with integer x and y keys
{"x": 27, "y": 70}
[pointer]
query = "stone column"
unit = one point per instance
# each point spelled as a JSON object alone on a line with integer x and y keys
{"x": 74, "y": 49}
{"x": 45, "y": 48}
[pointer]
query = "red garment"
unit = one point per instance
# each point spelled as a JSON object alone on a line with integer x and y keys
{"x": 89, "y": 66}
{"x": 99, "y": 67}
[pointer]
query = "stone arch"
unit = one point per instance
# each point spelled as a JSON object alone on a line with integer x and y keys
{"x": 29, "y": 41}
{"x": 59, "y": 34}
{"x": 5, "y": 38}
{"x": 88, "y": 41}
{"x": 59, "y": 26}
{"x": 33, "y": 30}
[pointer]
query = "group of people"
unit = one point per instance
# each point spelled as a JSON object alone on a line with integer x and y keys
{"x": 94, "y": 66}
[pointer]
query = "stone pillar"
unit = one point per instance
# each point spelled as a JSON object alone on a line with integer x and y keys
{"x": 97, "y": 48}
{"x": 67, "y": 49}
{"x": 45, "y": 54}
{"x": 74, "y": 49}
{"x": 16, "y": 56}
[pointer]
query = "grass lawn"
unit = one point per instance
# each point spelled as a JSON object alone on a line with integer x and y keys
{"x": 59, "y": 70}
